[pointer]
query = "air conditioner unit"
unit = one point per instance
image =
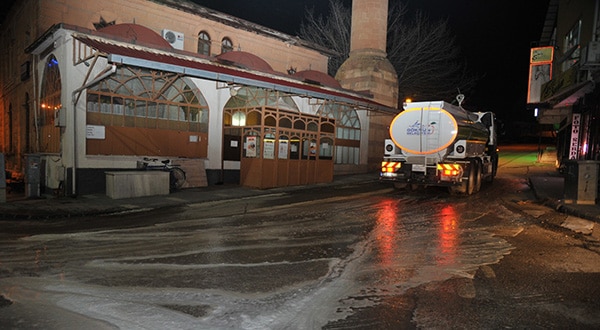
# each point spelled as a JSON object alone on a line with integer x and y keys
{"x": 174, "y": 38}
{"x": 390, "y": 149}
{"x": 590, "y": 55}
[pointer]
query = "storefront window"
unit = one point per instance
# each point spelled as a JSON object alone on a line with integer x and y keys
{"x": 326, "y": 148}
{"x": 285, "y": 123}
{"x": 269, "y": 146}
{"x": 284, "y": 134}
{"x": 283, "y": 147}
{"x": 309, "y": 149}
{"x": 238, "y": 119}
{"x": 294, "y": 148}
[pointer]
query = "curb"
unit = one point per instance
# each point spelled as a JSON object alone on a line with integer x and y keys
{"x": 588, "y": 212}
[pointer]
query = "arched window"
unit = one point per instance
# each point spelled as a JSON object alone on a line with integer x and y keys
{"x": 159, "y": 106}
{"x": 347, "y": 132}
{"x": 142, "y": 98}
{"x": 50, "y": 104}
{"x": 226, "y": 45}
{"x": 203, "y": 43}
{"x": 249, "y": 97}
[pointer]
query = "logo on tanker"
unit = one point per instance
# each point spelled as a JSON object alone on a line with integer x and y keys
{"x": 419, "y": 129}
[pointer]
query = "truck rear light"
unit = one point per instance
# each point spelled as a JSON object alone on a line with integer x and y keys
{"x": 390, "y": 167}
{"x": 449, "y": 171}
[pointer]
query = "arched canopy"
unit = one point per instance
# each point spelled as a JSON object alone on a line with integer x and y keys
{"x": 313, "y": 76}
{"x": 136, "y": 34}
{"x": 245, "y": 60}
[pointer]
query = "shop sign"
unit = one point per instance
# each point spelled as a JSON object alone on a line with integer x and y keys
{"x": 575, "y": 136}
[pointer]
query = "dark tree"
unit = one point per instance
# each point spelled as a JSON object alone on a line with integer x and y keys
{"x": 423, "y": 52}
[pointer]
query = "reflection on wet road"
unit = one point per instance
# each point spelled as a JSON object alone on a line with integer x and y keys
{"x": 285, "y": 261}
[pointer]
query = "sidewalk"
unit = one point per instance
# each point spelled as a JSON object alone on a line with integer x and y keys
{"x": 548, "y": 188}
{"x": 50, "y": 207}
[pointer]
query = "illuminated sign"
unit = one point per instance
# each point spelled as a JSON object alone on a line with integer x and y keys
{"x": 541, "y": 55}
{"x": 575, "y": 136}
{"x": 540, "y": 72}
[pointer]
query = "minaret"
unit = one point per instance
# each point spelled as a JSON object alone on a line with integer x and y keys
{"x": 367, "y": 69}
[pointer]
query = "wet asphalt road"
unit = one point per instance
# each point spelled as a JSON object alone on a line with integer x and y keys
{"x": 355, "y": 257}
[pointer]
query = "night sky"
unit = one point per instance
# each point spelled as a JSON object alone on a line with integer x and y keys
{"x": 494, "y": 37}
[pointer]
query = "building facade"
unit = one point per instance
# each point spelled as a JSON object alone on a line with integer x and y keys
{"x": 564, "y": 76}
{"x": 93, "y": 87}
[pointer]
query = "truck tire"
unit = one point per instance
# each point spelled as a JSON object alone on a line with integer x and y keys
{"x": 478, "y": 168}
{"x": 466, "y": 187}
{"x": 491, "y": 176}
{"x": 471, "y": 182}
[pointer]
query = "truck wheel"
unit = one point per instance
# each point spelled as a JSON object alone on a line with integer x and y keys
{"x": 491, "y": 176}
{"x": 477, "y": 169}
{"x": 471, "y": 182}
{"x": 467, "y": 187}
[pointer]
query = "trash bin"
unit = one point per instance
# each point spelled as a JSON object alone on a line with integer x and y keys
{"x": 581, "y": 182}
{"x": 32, "y": 175}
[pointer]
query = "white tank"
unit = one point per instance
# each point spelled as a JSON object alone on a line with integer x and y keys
{"x": 425, "y": 128}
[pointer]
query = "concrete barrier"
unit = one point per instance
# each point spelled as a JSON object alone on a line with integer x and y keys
{"x": 127, "y": 184}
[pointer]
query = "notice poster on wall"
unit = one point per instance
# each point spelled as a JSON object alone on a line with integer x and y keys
{"x": 269, "y": 149}
{"x": 283, "y": 149}
{"x": 251, "y": 146}
{"x": 95, "y": 132}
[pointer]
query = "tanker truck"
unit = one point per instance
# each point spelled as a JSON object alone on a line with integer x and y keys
{"x": 436, "y": 143}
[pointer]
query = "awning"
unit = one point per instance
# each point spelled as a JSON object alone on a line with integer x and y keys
{"x": 570, "y": 95}
{"x": 178, "y": 62}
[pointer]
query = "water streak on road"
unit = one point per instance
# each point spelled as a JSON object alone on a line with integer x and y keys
{"x": 268, "y": 264}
